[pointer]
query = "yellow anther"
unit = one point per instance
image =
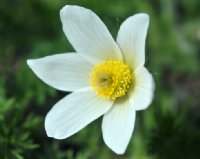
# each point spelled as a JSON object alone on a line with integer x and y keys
{"x": 111, "y": 79}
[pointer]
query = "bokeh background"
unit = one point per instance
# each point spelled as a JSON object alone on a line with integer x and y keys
{"x": 168, "y": 129}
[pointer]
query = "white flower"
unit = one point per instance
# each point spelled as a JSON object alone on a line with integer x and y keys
{"x": 105, "y": 77}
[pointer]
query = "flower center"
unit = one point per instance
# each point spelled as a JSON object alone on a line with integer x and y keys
{"x": 111, "y": 79}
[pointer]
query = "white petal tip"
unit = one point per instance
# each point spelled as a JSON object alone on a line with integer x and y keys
{"x": 66, "y": 9}
{"x": 55, "y": 136}
{"x": 119, "y": 152}
{"x": 143, "y": 16}
{"x": 30, "y": 63}
{"x": 49, "y": 134}
{"x": 52, "y": 133}
{"x": 116, "y": 150}
{"x": 62, "y": 11}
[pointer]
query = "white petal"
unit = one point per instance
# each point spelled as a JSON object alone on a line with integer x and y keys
{"x": 74, "y": 112}
{"x": 131, "y": 39}
{"x": 88, "y": 34}
{"x": 118, "y": 125}
{"x": 141, "y": 94}
{"x": 67, "y": 72}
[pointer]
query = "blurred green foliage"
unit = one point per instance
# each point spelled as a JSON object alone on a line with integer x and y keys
{"x": 168, "y": 129}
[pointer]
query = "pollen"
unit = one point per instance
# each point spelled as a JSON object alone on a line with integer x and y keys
{"x": 111, "y": 79}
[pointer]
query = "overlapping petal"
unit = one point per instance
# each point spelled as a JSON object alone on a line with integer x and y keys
{"x": 141, "y": 93}
{"x": 131, "y": 39}
{"x": 88, "y": 34}
{"x": 66, "y": 72}
{"x": 118, "y": 125}
{"x": 74, "y": 112}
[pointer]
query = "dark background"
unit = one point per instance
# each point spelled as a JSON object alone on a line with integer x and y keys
{"x": 168, "y": 129}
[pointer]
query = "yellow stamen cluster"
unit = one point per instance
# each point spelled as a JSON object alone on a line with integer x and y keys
{"x": 111, "y": 79}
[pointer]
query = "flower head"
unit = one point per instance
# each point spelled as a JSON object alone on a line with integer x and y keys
{"x": 105, "y": 77}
